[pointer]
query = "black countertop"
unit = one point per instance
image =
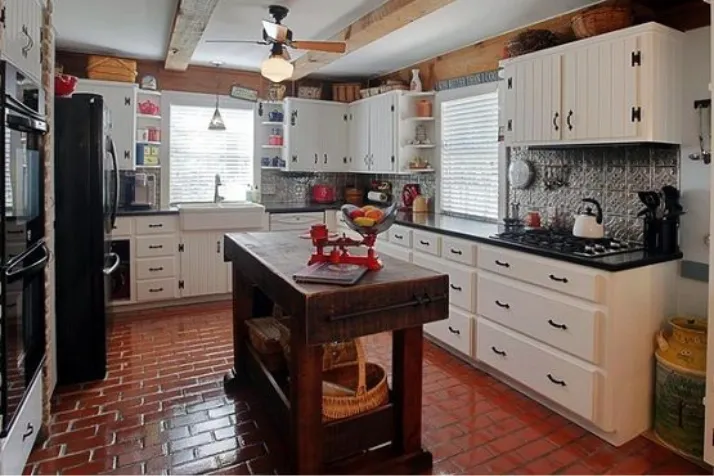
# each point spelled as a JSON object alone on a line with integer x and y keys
{"x": 482, "y": 232}
{"x": 300, "y": 207}
{"x": 149, "y": 212}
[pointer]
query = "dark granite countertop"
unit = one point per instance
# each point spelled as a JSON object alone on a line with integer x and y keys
{"x": 482, "y": 232}
{"x": 149, "y": 212}
{"x": 300, "y": 207}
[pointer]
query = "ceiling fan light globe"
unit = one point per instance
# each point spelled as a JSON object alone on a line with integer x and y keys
{"x": 277, "y": 69}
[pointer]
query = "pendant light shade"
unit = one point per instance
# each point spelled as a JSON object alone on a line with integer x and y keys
{"x": 217, "y": 123}
{"x": 276, "y": 68}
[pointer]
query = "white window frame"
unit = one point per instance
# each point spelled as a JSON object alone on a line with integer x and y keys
{"x": 179, "y": 98}
{"x": 463, "y": 93}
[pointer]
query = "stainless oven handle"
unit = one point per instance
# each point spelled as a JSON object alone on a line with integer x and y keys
{"x": 17, "y": 106}
{"x": 114, "y": 266}
{"x": 13, "y": 274}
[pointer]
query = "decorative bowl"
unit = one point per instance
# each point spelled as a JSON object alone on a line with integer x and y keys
{"x": 65, "y": 85}
{"x": 390, "y": 215}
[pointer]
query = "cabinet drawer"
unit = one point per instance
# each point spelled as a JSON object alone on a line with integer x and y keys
{"x": 400, "y": 235}
{"x": 148, "y": 246}
{"x": 124, "y": 226}
{"x": 461, "y": 251}
{"x": 427, "y": 242}
{"x": 456, "y": 331}
{"x": 295, "y": 221}
{"x": 557, "y": 376}
{"x": 554, "y": 319}
{"x": 398, "y": 252}
{"x": 17, "y": 445}
{"x": 562, "y": 277}
{"x": 152, "y": 268}
{"x": 462, "y": 280}
{"x": 155, "y": 289}
{"x": 156, "y": 225}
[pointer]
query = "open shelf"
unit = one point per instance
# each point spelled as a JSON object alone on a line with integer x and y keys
{"x": 148, "y": 116}
{"x": 148, "y": 92}
{"x": 420, "y": 94}
{"x": 418, "y": 171}
{"x": 268, "y": 123}
{"x": 421, "y": 146}
{"x": 272, "y": 146}
{"x": 148, "y": 166}
{"x": 277, "y": 103}
{"x": 270, "y": 167}
{"x": 419, "y": 119}
{"x": 148, "y": 142}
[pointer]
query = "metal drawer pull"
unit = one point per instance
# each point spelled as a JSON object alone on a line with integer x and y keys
{"x": 399, "y": 237}
{"x": 456, "y": 288}
{"x": 557, "y": 326}
{"x": 160, "y": 268}
{"x": 557, "y": 279}
{"x": 28, "y": 433}
{"x": 499, "y": 352}
{"x": 556, "y": 381}
{"x": 425, "y": 243}
{"x": 503, "y": 263}
{"x": 156, "y": 290}
{"x": 155, "y": 225}
{"x": 456, "y": 252}
{"x": 454, "y": 331}
{"x": 500, "y": 304}
{"x": 155, "y": 247}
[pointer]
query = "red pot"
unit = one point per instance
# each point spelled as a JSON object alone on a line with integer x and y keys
{"x": 323, "y": 194}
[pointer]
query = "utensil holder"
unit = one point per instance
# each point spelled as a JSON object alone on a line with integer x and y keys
{"x": 652, "y": 231}
{"x": 669, "y": 235}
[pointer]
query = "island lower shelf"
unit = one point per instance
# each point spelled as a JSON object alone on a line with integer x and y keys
{"x": 342, "y": 438}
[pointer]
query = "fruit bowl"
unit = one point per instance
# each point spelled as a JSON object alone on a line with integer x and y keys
{"x": 369, "y": 220}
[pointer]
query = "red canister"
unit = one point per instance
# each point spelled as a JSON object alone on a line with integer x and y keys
{"x": 323, "y": 194}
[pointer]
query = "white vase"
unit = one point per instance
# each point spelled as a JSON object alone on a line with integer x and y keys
{"x": 415, "y": 85}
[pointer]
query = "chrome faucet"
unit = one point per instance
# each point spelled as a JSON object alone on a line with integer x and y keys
{"x": 217, "y": 198}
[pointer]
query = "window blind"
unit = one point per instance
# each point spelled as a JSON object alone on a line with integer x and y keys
{"x": 198, "y": 154}
{"x": 469, "y": 156}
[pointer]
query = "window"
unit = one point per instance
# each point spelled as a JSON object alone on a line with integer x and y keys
{"x": 197, "y": 154}
{"x": 469, "y": 156}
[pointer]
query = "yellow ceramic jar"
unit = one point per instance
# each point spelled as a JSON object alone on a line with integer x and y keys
{"x": 685, "y": 349}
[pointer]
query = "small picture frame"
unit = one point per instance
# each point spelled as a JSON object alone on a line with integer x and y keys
{"x": 247, "y": 94}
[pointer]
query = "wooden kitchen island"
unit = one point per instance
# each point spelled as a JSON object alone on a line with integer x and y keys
{"x": 399, "y": 298}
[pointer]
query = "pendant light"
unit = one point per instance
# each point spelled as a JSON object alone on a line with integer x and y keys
{"x": 277, "y": 68}
{"x": 217, "y": 123}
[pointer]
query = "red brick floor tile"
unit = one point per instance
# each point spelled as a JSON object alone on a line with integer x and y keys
{"x": 162, "y": 409}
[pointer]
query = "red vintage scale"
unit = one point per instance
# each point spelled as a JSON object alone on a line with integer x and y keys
{"x": 336, "y": 250}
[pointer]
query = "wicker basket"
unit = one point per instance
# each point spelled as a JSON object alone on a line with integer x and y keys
{"x": 601, "y": 20}
{"x": 368, "y": 380}
{"x": 531, "y": 40}
{"x": 347, "y": 92}
{"x": 334, "y": 354}
{"x": 111, "y": 69}
{"x": 264, "y": 335}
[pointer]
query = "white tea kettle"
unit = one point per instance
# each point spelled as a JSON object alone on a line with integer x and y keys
{"x": 588, "y": 224}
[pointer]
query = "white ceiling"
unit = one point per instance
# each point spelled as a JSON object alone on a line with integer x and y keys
{"x": 141, "y": 28}
{"x": 459, "y": 24}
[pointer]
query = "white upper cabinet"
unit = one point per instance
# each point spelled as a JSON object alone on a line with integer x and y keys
{"x": 373, "y": 138}
{"x": 332, "y": 130}
{"x": 120, "y": 99}
{"x": 358, "y": 157}
{"x": 614, "y": 88}
{"x": 22, "y": 38}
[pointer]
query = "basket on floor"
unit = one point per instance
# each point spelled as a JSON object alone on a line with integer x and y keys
{"x": 335, "y": 353}
{"x": 264, "y": 335}
{"x": 368, "y": 381}
{"x": 111, "y": 69}
{"x": 599, "y": 20}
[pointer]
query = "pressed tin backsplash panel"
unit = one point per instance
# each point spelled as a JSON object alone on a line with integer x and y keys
{"x": 611, "y": 175}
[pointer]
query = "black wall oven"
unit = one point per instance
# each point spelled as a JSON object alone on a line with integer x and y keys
{"x": 22, "y": 239}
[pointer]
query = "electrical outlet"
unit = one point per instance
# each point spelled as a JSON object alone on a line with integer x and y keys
{"x": 268, "y": 189}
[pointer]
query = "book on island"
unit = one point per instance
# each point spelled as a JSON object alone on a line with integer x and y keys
{"x": 330, "y": 273}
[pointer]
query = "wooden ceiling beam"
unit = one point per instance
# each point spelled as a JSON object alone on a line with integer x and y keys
{"x": 190, "y": 21}
{"x": 391, "y": 16}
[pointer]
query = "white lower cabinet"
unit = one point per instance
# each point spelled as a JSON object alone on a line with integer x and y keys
{"x": 559, "y": 377}
{"x": 156, "y": 289}
{"x": 15, "y": 448}
{"x": 203, "y": 271}
{"x": 399, "y": 252}
{"x": 456, "y": 331}
{"x": 462, "y": 280}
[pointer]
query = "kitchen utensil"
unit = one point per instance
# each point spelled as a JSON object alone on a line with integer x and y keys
{"x": 589, "y": 224}
{"x": 515, "y": 210}
{"x": 704, "y": 131}
{"x": 377, "y": 197}
{"x": 520, "y": 174}
{"x": 409, "y": 193}
{"x": 421, "y": 204}
{"x": 323, "y": 193}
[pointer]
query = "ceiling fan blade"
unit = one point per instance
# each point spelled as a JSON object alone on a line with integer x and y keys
{"x": 327, "y": 46}
{"x": 279, "y": 33}
{"x": 239, "y": 41}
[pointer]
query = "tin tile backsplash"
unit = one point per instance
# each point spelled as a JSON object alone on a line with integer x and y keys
{"x": 611, "y": 175}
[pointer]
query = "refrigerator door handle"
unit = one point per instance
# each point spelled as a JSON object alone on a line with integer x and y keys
{"x": 115, "y": 190}
{"x": 109, "y": 270}
{"x": 14, "y": 274}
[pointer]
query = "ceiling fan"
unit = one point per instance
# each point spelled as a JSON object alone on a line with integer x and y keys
{"x": 277, "y": 67}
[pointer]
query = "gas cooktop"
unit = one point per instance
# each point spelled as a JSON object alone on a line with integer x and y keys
{"x": 567, "y": 244}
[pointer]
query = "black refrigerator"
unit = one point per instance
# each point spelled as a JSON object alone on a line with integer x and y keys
{"x": 86, "y": 198}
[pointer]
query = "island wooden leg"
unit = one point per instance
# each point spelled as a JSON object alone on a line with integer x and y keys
{"x": 306, "y": 447}
{"x": 407, "y": 355}
{"x": 242, "y": 311}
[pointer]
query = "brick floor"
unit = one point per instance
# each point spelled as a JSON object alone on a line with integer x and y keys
{"x": 162, "y": 409}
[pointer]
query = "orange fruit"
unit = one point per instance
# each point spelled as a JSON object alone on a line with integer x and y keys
{"x": 376, "y": 214}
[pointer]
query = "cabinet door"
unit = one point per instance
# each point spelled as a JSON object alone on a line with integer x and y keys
{"x": 359, "y": 137}
{"x": 547, "y": 118}
{"x": 333, "y": 132}
{"x": 202, "y": 268}
{"x": 33, "y": 21}
{"x": 301, "y": 135}
{"x": 121, "y": 102}
{"x": 382, "y": 133}
{"x": 13, "y": 38}
{"x": 508, "y": 111}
